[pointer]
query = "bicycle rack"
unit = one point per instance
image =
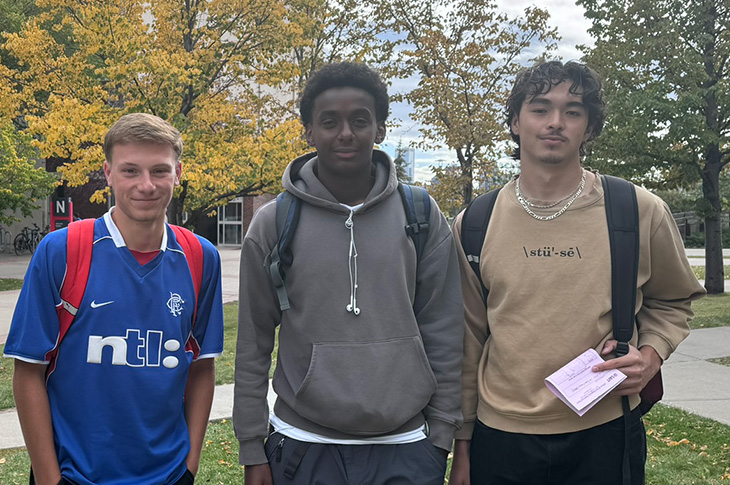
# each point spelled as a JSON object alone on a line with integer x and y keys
{"x": 6, "y": 240}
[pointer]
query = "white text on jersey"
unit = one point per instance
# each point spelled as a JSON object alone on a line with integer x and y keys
{"x": 133, "y": 350}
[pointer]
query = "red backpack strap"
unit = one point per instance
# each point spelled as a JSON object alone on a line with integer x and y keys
{"x": 79, "y": 246}
{"x": 193, "y": 250}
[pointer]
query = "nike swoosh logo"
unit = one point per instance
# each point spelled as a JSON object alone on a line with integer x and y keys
{"x": 94, "y": 304}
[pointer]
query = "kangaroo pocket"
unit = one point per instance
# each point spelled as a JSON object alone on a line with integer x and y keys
{"x": 366, "y": 388}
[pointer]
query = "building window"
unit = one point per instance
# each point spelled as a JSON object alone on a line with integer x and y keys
{"x": 230, "y": 223}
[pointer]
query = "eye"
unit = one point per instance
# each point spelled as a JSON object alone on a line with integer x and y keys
{"x": 539, "y": 111}
{"x": 360, "y": 122}
{"x": 575, "y": 113}
{"x": 329, "y": 123}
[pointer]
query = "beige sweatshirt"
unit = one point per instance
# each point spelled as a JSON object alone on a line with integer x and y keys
{"x": 550, "y": 300}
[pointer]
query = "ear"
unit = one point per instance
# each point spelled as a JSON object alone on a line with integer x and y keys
{"x": 380, "y": 134}
{"x": 107, "y": 172}
{"x": 308, "y": 135}
{"x": 515, "y": 125}
{"x": 588, "y": 134}
{"x": 178, "y": 172}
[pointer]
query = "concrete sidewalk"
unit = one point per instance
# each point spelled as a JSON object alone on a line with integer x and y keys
{"x": 694, "y": 384}
{"x": 690, "y": 381}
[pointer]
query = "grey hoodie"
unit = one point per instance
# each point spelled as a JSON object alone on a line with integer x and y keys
{"x": 342, "y": 375}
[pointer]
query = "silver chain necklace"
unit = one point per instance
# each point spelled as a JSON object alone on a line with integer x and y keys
{"x": 526, "y": 205}
{"x": 554, "y": 204}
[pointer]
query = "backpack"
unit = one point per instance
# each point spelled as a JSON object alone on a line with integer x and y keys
{"x": 79, "y": 246}
{"x": 622, "y": 216}
{"x": 417, "y": 205}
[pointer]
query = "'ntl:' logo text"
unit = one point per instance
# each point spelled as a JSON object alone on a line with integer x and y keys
{"x": 133, "y": 350}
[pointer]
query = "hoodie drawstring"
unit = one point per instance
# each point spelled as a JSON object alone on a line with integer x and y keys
{"x": 352, "y": 263}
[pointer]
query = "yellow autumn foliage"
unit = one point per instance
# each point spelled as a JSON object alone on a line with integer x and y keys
{"x": 199, "y": 64}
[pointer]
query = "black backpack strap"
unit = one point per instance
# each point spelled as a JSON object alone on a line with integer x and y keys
{"x": 622, "y": 215}
{"x": 417, "y": 205}
{"x": 474, "y": 230}
{"x": 280, "y": 257}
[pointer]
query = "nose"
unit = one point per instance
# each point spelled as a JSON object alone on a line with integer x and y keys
{"x": 346, "y": 131}
{"x": 556, "y": 120}
{"x": 145, "y": 183}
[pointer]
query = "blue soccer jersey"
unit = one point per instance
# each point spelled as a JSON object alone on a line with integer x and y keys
{"x": 116, "y": 392}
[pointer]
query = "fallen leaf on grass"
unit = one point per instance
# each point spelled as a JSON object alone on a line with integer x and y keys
{"x": 2, "y": 461}
{"x": 683, "y": 441}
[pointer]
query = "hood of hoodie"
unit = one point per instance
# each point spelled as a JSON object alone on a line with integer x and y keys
{"x": 300, "y": 179}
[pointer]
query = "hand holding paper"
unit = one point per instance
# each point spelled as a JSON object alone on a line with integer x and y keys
{"x": 578, "y": 386}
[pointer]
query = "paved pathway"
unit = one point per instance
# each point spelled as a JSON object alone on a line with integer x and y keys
{"x": 690, "y": 381}
{"x": 693, "y": 383}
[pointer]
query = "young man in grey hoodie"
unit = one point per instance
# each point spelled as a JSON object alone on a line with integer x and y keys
{"x": 368, "y": 368}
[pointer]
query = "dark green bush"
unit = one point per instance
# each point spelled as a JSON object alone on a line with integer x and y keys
{"x": 697, "y": 240}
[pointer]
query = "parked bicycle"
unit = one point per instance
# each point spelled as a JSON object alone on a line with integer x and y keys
{"x": 28, "y": 239}
{"x": 6, "y": 240}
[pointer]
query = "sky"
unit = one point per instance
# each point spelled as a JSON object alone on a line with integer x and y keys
{"x": 572, "y": 28}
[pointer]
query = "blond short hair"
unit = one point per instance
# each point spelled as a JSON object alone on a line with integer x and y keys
{"x": 142, "y": 128}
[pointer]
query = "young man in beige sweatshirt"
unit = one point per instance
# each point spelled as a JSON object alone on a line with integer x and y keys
{"x": 546, "y": 262}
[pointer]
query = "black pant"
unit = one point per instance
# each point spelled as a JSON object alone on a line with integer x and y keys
{"x": 187, "y": 479}
{"x": 592, "y": 456}
{"x": 295, "y": 463}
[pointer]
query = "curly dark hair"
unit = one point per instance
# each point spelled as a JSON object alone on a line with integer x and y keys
{"x": 344, "y": 74}
{"x": 542, "y": 77}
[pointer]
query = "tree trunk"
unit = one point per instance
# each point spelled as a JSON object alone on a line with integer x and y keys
{"x": 467, "y": 175}
{"x": 175, "y": 209}
{"x": 714, "y": 270}
{"x": 467, "y": 189}
{"x": 174, "y": 212}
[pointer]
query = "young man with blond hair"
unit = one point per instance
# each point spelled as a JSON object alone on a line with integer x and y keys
{"x": 125, "y": 396}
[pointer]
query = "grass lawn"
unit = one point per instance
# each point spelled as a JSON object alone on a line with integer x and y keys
{"x": 225, "y": 364}
{"x": 699, "y": 271}
{"x": 6, "y": 381}
{"x": 683, "y": 450}
{"x": 711, "y": 311}
{"x": 10, "y": 284}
